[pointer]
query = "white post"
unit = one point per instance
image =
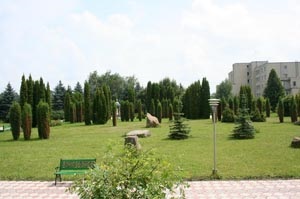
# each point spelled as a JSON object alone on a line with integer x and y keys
{"x": 214, "y": 104}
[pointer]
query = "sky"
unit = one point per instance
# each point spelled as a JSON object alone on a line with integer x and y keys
{"x": 184, "y": 40}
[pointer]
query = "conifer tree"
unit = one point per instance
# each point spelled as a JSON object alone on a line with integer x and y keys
{"x": 280, "y": 110}
{"x": 43, "y": 117}
{"x": 171, "y": 112}
{"x": 293, "y": 110}
{"x": 140, "y": 109}
{"x": 244, "y": 129}
{"x": 159, "y": 112}
{"x": 15, "y": 119}
{"x": 274, "y": 89}
{"x": 179, "y": 129}
{"x": 268, "y": 108}
{"x": 23, "y": 92}
{"x": 26, "y": 121}
{"x": 205, "y": 95}
{"x": 30, "y": 85}
{"x": 87, "y": 104}
{"x": 6, "y": 100}
{"x": 67, "y": 107}
{"x": 114, "y": 113}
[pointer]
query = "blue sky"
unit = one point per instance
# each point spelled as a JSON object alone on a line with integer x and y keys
{"x": 184, "y": 40}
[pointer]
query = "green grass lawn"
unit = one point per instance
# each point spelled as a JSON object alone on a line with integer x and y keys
{"x": 268, "y": 155}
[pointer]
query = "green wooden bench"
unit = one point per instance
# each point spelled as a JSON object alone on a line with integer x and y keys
{"x": 73, "y": 166}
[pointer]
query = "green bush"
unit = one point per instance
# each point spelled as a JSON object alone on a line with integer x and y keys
{"x": 57, "y": 115}
{"x": 256, "y": 116}
{"x": 43, "y": 116}
{"x": 15, "y": 119}
{"x": 26, "y": 121}
{"x": 130, "y": 174}
{"x": 228, "y": 115}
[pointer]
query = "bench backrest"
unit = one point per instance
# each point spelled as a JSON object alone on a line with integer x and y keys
{"x": 77, "y": 164}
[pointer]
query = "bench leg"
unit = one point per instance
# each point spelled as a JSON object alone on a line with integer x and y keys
{"x": 57, "y": 176}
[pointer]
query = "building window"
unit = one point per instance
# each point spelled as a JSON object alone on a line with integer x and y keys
{"x": 294, "y": 83}
{"x": 247, "y": 73}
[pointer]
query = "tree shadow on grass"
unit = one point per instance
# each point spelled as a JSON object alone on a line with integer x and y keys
{"x": 21, "y": 140}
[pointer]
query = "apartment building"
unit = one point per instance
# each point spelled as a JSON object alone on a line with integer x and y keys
{"x": 256, "y": 73}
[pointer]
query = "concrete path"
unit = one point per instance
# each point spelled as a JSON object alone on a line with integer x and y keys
{"x": 198, "y": 189}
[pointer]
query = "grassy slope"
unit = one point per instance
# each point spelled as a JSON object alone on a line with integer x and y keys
{"x": 268, "y": 155}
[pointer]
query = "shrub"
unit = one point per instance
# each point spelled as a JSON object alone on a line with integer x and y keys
{"x": 257, "y": 116}
{"x": 57, "y": 115}
{"x": 114, "y": 113}
{"x": 26, "y": 121}
{"x": 228, "y": 115}
{"x": 43, "y": 116}
{"x": 130, "y": 174}
{"x": 15, "y": 119}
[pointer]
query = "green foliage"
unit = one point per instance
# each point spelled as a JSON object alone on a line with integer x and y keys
{"x": 228, "y": 115}
{"x": 224, "y": 90}
{"x": 268, "y": 107}
{"x": 205, "y": 95}
{"x": 6, "y": 100}
{"x": 244, "y": 129}
{"x": 179, "y": 129}
{"x": 26, "y": 120}
{"x": 59, "y": 98}
{"x": 274, "y": 89}
{"x": 131, "y": 111}
{"x": 140, "y": 110}
{"x": 43, "y": 118}
{"x": 293, "y": 110}
{"x": 159, "y": 112}
{"x": 236, "y": 105}
{"x": 171, "y": 112}
{"x": 280, "y": 110}
{"x": 67, "y": 107}
{"x": 15, "y": 120}
{"x": 114, "y": 113}
{"x": 246, "y": 91}
{"x": 23, "y": 92}
{"x": 192, "y": 101}
{"x": 87, "y": 104}
{"x": 30, "y": 84}
{"x": 100, "y": 109}
{"x": 257, "y": 116}
{"x": 78, "y": 88}
{"x": 128, "y": 175}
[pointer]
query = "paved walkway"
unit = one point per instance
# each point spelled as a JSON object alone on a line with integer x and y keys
{"x": 198, "y": 189}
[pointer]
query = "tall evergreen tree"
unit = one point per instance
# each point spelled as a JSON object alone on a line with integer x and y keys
{"x": 43, "y": 118}
{"x": 67, "y": 107}
{"x": 42, "y": 91}
{"x": 140, "y": 109}
{"x": 87, "y": 104}
{"x": 30, "y": 85}
{"x": 48, "y": 96}
{"x": 23, "y": 92}
{"x": 108, "y": 101}
{"x": 268, "y": 107}
{"x": 15, "y": 119}
{"x": 205, "y": 95}
{"x": 149, "y": 97}
{"x": 274, "y": 89}
{"x": 36, "y": 100}
{"x": 280, "y": 110}
{"x": 26, "y": 121}
{"x": 58, "y": 97}
{"x": 293, "y": 110}
{"x": 78, "y": 88}
{"x": 159, "y": 112}
{"x": 6, "y": 100}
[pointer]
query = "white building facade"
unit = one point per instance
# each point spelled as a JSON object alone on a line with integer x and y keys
{"x": 255, "y": 74}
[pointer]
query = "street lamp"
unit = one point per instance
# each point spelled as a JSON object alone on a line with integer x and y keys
{"x": 214, "y": 105}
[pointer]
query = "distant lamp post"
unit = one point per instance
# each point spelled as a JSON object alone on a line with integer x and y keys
{"x": 214, "y": 105}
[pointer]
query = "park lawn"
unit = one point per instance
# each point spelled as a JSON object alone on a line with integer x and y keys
{"x": 268, "y": 155}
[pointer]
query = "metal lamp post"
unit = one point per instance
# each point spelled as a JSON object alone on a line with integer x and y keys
{"x": 214, "y": 105}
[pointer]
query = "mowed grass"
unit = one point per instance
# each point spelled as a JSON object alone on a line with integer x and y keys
{"x": 268, "y": 155}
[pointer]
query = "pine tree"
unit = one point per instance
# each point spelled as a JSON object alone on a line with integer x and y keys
{"x": 274, "y": 89}
{"x": 15, "y": 120}
{"x": 6, "y": 100}
{"x": 140, "y": 109}
{"x": 30, "y": 85}
{"x": 245, "y": 129}
{"x": 179, "y": 129}
{"x": 114, "y": 113}
{"x": 59, "y": 96}
{"x": 159, "y": 112}
{"x": 171, "y": 112}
